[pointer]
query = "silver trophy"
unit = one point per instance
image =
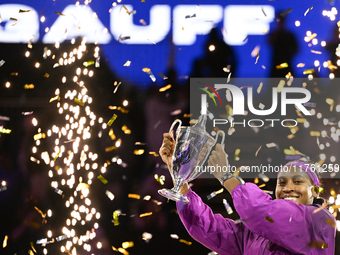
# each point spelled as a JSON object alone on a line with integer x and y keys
{"x": 193, "y": 145}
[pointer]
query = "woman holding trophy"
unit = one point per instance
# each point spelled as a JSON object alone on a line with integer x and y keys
{"x": 290, "y": 224}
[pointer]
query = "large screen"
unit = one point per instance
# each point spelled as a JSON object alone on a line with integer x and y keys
{"x": 160, "y": 35}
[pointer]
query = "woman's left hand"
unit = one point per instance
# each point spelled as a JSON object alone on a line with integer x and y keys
{"x": 218, "y": 161}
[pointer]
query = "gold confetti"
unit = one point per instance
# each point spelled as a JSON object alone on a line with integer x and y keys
{"x": 153, "y": 153}
{"x": 88, "y": 63}
{"x": 259, "y": 88}
{"x": 138, "y": 152}
{"x": 103, "y": 180}
{"x": 309, "y": 9}
{"x": 318, "y": 244}
{"x": 59, "y": 13}
{"x": 314, "y": 133}
{"x": 288, "y": 75}
{"x": 32, "y": 246}
{"x": 4, "y": 243}
{"x": 300, "y": 65}
{"x": 257, "y": 57}
{"x": 121, "y": 250}
{"x": 126, "y": 245}
{"x": 165, "y": 88}
{"x": 258, "y": 150}
{"x": 108, "y": 149}
{"x": 80, "y": 102}
{"x": 112, "y": 135}
{"x": 55, "y": 98}
{"x": 13, "y": 19}
{"x": 281, "y": 85}
{"x": 256, "y": 180}
{"x": 330, "y": 101}
{"x": 219, "y": 191}
{"x": 4, "y": 130}
{"x": 29, "y": 86}
{"x": 46, "y": 75}
{"x": 55, "y": 158}
{"x": 135, "y": 196}
{"x": 316, "y": 52}
{"x": 160, "y": 179}
{"x": 291, "y": 136}
{"x": 338, "y": 23}
{"x": 82, "y": 186}
{"x": 116, "y": 218}
{"x": 269, "y": 219}
{"x": 30, "y": 252}
{"x": 262, "y": 185}
{"x": 14, "y": 74}
{"x": 282, "y": 65}
{"x": 127, "y": 63}
{"x": 312, "y": 36}
{"x": 185, "y": 242}
{"x": 20, "y": 10}
{"x": 145, "y": 214}
{"x": 126, "y": 130}
{"x": 39, "y": 211}
{"x": 114, "y": 117}
{"x": 308, "y": 71}
{"x": 39, "y": 136}
{"x": 301, "y": 120}
{"x": 237, "y": 153}
{"x": 110, "y": 195}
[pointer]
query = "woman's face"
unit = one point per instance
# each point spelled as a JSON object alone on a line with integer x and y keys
{"x": 294, "y": 184}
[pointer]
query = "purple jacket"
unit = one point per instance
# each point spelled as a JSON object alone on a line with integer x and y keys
{"x": 268, "y": 226}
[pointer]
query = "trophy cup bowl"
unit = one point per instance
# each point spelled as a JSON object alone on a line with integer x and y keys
{"x": 193, "y": 145}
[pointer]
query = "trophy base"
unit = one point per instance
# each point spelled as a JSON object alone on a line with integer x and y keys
{"x": 168, "y": 193}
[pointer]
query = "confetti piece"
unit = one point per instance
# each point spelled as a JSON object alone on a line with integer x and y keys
{"x": 132, "y": 12}
{"x": 82, "y": 186}
{"x": 39, "y": 136}
{"x": 160, "y": 179}
{"x": 316, "y": 52}
{"x": 257, "y": 152}
{"x": 114, "y": 117}
{"x": 28, "y": 86}
{"x": 309, "y": 38}
{"x": 174, "y": 236}
{"x": 126, "y": 130}
{"x": 135, "y": 196}
{"x": 138, "y": 152}
{"x": 269, "y": 219}
{"x": 153, "y": 153}
{"x": 291, "y": 136}
{"x": 59, "y": 13}
{"x": 127, "y": 63}
{"x": 148, "y": 71}
{"x": 13, "y": 19}
{"x": 176, "y": 112}
{"x": 314, "y": 133}
{"x": 80, "y": 102}
{"x": 255, "y": 51}
{"x": 39, "y": 211}
{"x": 97, "y": 64}
{"x": 338, "y": 23}
{"x": 263, "y": 11}
{"x": 108, "y": 149}
{"x": 284, "y": 13}
{"x": 268, "y": 192}
{"x": 282, "y": 65}
{"x": 116, "y": 217}
{"x": 112, "y": 135}
{"x": 330, "y": 222}
{"x": 59, "y": 191}
{"x": 271, "y": 145}
{"x": 55, "y": 158}
{"x": 146, "y": 236}
{"x": 30, "y": 252}
{"x": 165, "y": 88}
{"x": 55, "y": 98}
{"x": 2, "y": 62}
{"x": 21, "y": 11}
{"x": 236, "y": 155}
{"x": 32, "y": 246}
{"x": 88, "y": 63}
{"x": 126, "y": 245}
{"x": 317, "y": 244}
{"x": 163, "y": 76}
{"x": 259, "y": 88}
{"x": 124, "y": 38}
{"x": 261, "y": 106}
{"x": 103, "y": 180}
{"x": 4, "y": 130}
{"x": 257, "y": 58}
{"x": 185, "y": 242}
{"x": 60, "y": 238}
{"x": 227, "y": 207}
{"x": 4, "y": 118}
{"x": 145, "y": 214}
{"x": 4, "y": 243}
{"x": 262, "y": 185}
{"x": 309, "y": 104}
{"x": 27, "y": 113}
{"x": 309, "y": 9}
{"x": 190, "y": 16}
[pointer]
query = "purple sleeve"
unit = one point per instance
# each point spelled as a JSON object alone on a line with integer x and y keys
{"x": 221, "y": 235}
{"x": 288, "y": 224}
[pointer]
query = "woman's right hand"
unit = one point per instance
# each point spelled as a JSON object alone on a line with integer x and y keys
{"x": 167, "y": 149}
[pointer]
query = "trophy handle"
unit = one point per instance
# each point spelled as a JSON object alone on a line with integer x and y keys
{"x": 223, "y": 136}
{"x": 173, "y": 125}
